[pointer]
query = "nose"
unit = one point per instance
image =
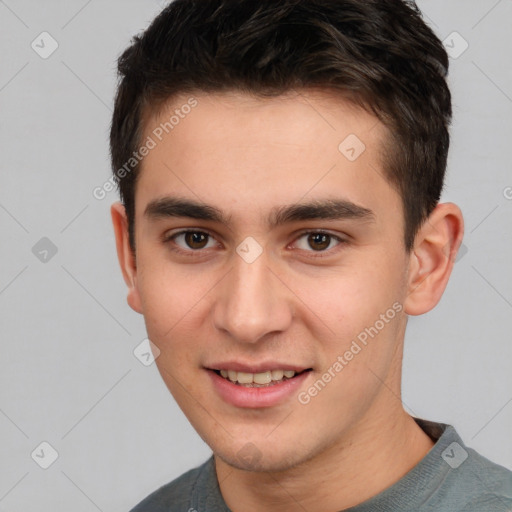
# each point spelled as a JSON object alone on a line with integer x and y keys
{"x": 252, "y": 302}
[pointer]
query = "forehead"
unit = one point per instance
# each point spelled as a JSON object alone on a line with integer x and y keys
{"x": 233, "y": 150}
{"x": 327, "y": 112}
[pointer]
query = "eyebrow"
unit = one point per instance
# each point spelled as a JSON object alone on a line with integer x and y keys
{"x": 321, "y": 209}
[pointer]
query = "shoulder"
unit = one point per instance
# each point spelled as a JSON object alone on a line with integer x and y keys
{"x": 482, "y": 484}
{"x": 457, "y": 477}
{"x": 174, "y": 496}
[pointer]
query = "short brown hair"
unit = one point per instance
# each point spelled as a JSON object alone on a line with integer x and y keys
{"x": 378, "y": 53}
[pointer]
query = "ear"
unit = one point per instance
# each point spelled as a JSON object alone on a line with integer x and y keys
{"x": 432, "y": 258}
{"x": 125, "y": 255}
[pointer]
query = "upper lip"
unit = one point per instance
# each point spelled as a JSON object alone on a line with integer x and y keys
{"x": 238, "y": 366}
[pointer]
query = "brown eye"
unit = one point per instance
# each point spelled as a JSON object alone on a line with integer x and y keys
{"x": 319, "y": 241}
{"x": 196, "y": 239}
{"x": 190, "y": 241}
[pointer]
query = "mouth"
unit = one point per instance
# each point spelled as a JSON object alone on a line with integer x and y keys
{"x": 263, "y": 379}
{"x": 257, "y": 385}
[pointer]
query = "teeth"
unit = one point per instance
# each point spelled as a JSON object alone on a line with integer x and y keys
{"x": 244, "y": 378}
{"x": 257, "y": 378}
{"x": 277, "y": 374}
{"x": 262, "y": 378}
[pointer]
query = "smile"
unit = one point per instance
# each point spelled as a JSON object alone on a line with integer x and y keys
{"x": 254, "y": 380}
{"x": 260, "y": 389}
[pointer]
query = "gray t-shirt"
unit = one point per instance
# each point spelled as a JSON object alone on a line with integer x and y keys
{"x": 450, "y": 478}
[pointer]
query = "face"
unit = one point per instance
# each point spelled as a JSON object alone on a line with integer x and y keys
{"x": 294, "y": 263}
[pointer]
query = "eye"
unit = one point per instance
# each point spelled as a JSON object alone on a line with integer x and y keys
{"x": 190, "y": 241}
{"x": 318, "y": 241}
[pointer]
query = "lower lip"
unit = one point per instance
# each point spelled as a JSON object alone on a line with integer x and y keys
{"x": 241, "y": 396}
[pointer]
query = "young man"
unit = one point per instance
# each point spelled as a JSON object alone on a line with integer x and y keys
{"x": 280, "y": 165}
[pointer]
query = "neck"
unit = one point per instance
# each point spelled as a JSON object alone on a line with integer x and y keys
{"x": 374, "y": 455}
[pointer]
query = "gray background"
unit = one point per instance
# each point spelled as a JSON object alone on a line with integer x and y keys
{"x": 68, "y": 375}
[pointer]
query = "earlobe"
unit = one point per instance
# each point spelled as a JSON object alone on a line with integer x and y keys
{"x": 433, "y": 257}
{"x": 125, "y": 255}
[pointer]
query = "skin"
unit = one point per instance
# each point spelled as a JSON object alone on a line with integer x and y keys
{"x": 245, "y": 156}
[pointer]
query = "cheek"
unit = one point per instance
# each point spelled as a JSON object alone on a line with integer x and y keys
{"x": 360, "y": 320}
{"x": 348, "y": 301}
{"x": 171, "y": 297}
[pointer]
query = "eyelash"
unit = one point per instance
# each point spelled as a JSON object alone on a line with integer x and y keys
{"x": 197, "y": 252}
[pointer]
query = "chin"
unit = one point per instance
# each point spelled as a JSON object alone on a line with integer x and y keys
{"x": 251, "y": 457}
